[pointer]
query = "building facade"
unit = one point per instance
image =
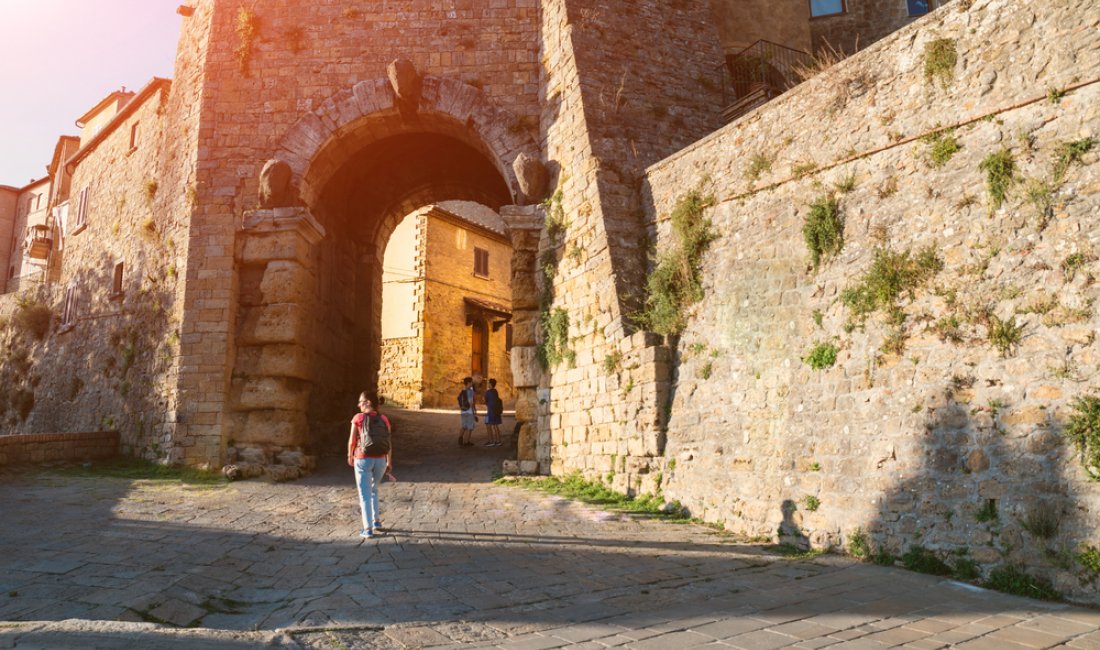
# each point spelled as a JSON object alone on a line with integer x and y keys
{"x": 458, "y": 309}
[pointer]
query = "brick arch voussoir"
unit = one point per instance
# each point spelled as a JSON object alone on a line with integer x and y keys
{"x": 316, "y": 131}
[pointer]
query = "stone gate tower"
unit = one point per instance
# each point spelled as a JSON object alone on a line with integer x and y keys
{"x": 306, "y": 131}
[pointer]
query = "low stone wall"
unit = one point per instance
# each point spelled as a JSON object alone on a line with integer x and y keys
{"x": 48, "y": 447}
{"x": 936, "y": 419}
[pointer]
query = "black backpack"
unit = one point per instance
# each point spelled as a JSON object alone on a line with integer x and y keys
{"x": 375, "y": 440}
{"x": 463, "y": 400}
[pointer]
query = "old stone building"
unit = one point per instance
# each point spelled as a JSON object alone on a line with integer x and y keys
{"x": 446, "y": 316}
{"x": 698, "y": 310}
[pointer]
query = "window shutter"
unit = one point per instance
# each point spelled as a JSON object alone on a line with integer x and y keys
{"x": 68, "y": 314}
{"x": 82, "y": 209}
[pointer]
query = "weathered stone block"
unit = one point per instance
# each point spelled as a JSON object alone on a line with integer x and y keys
{"x": 526, "y": 371}
{"x": 262, "y": 247}
{"x": 288, "y": 281}
{"x": 283, "y": 428}
{"x": 528, "y": 467}
{"x": 282, "y": 323}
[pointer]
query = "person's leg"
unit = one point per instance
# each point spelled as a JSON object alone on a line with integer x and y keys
{"x": 377, "y": 471}
{"x": 362, "y": 478}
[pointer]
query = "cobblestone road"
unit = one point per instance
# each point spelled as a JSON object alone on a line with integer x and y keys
{"x": 100, "y": 562}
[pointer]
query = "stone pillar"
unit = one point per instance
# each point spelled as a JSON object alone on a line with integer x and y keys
{"x": 273, "y": 373}
{"x": 525, "y": 224}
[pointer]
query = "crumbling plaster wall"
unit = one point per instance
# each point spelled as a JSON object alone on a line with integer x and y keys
{"x": 908, "y": 442}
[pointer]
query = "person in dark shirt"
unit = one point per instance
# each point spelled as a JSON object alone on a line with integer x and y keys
{"x": 494, "y": 409}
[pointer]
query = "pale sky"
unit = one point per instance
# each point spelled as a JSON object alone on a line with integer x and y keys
{"x": 58, "y": 58}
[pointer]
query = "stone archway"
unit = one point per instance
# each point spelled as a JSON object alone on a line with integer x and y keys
{"x": 310, "y": 272}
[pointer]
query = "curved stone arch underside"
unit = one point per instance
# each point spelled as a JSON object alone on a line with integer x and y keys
{"x": 315, "y": 146}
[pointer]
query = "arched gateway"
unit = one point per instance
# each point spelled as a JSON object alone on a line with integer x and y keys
{"x": 310, "y": 263}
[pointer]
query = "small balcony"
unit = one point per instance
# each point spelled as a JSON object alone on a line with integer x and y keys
{"x": 40, "y": 243}
{"x": 759, "y": 73}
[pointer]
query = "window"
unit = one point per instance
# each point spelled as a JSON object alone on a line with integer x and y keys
{"x": 134, "y": 136}
{"x": 481, "y": 262}
{"x": 81, "y": 211}
{"x": 508, "y": 345}
{"x": 116, "y": 282}
{"x": 826, "y": 7}
{"x": 919, "y": 7}
{"x": 68, "y": 313}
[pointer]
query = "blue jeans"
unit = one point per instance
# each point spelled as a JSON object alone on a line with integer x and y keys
{"x": 368, "y": 476}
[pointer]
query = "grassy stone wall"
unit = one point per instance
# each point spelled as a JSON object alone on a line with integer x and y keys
{"x": 919, "y": 400}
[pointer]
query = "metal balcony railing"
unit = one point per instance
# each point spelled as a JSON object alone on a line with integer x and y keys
{"x": 758, "y": 74}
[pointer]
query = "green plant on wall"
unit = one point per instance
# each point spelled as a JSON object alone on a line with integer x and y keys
{"x": 555, "y": 214}
{"x": 554, "y": 346}
{"x": 892, "y": 274}
{"x": 1083, "y": 428}
{"x": 942, "y": 146}
{"x": 675, "y": 282}
{"x": 1000, "y": 169}
{"x": 1005, "y": 334}
{"x": 821, "y": 356}
{"x": 940, "y": 58}
{"x": 1068, "y": 154}
{"x": 823, "y": 229}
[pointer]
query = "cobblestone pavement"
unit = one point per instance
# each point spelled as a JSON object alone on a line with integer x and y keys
{"x": 113, "y": 563}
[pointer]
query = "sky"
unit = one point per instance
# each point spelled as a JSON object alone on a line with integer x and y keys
{"x": 58, "y": 58}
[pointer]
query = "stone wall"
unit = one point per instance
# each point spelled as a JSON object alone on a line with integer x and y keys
{"x": 607, "y": 114}
{"x": 864, "y": 23}
{"x": 940, "y": 423}
{"x": 112, "y": 365}
{"x": 743, "y": 22}
{"x": 53, "y": 447}
{"x": 401, "y": 378}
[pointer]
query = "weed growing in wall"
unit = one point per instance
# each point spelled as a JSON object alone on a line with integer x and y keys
{"x": 942, "y": 146}
{"x": 759, "y": 164}
{"x": 859, "y": 545}
{"x": 612, "y": 362}
{"x": 1000, "y": 169}
{"x": 555, "y": 214}
{"x": 1005, "y": 334}
{"x": 1013, "y": 580}
{"x": 675, "y": 283}
{"x": 1083, "y": 428}
{"x": 1068, "y": 154}
{"x": 823, "y": 229}
{"x": 1088, "y": 557}
{"x": 1042, "y": 523}
{"x": 821, "y": 356}
{"x": 940, "y": 58}
{"x": 922, "y": 560}
{"x": 32, "y": 318}
{"x": 811, "y": 503}
{"x": 1040, "y": 195}
{"x": 554, "y": 346}
{"x": 892, "y": 274}
{"x": 248, "y": 27}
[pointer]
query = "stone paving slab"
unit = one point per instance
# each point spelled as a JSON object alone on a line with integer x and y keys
{"x": 463, "y": 563}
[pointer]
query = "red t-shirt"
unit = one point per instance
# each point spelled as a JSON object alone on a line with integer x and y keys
{"x": 358, "y": 421}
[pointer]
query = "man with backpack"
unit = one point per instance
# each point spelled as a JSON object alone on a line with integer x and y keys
{"x": 467, "y": 412}
{"x": 369, "y": 452}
